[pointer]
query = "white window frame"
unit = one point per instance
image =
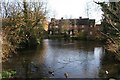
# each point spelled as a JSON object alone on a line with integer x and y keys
{"x": 56, "y": 26}
{"x": 83, "y": 26}
{"x": 50, "y": 32}
{"x": 91, "y": 32}
{"x": 91, "y": 26}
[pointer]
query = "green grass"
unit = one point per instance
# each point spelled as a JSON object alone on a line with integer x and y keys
{"x": 8, "y": 74}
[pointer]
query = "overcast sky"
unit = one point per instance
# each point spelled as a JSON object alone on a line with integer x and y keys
{"x": 74, "y": 9}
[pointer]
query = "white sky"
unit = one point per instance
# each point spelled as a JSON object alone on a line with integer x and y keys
{"x": 73, "y": 9}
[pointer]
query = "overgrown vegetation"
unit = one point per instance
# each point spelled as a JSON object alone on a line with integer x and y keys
{"x": 22, "y": 25}
{"x": 111, "y": 26}
{"x": 82, "y": 35}
{"x": 8, "y": 74}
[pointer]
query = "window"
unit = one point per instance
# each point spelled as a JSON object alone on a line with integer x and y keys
{"x": 82, "y": 30}
{"x": 83, "y": 26}
{"x": 115, "y": 23}
{"x": 56, "y": 26}
{"x": 50, "y": 32}
{"x": 90, "y": 33}
{"x": 75, "y": 26}
{"x": 70, "y": 32}
{"x": 50, "y": 27}
{"x": 91, "y": 26}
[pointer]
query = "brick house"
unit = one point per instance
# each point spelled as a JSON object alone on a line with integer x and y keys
{"x": 73, "y": 26}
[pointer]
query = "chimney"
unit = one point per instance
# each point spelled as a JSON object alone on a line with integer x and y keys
{"x": 52, "y": 19}
{"x": 61, "y": 18}
{"x": 80, "y": 17}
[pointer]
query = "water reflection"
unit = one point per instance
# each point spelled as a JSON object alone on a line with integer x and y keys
{"x": 80, "y": 59}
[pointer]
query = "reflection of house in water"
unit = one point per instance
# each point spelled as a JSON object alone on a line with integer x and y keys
{"x": 73, "y": 26}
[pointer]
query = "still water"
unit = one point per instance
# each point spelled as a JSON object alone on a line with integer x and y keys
{"x": 79, "y": 59}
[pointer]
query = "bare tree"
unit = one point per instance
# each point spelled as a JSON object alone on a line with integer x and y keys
{"x": 66, "y": 25}
{"x": 88, "y": 9}
{"x": 22, "y": 23}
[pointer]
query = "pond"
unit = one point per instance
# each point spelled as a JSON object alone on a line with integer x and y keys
{"x": 55, "y": 58}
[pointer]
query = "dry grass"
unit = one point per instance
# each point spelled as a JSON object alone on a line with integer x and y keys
{"x": 113, "y": 48}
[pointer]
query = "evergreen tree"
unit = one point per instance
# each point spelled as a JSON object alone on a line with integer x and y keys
{"x": 111, "y": 25}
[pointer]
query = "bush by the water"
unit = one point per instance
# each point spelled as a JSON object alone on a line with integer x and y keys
{"x": 22, "y": 25}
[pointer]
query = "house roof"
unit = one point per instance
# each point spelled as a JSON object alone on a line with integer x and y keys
{"x": 84, "y": 21}
{"x": 81, "y": 21}
{"x": 92, "y": 21}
